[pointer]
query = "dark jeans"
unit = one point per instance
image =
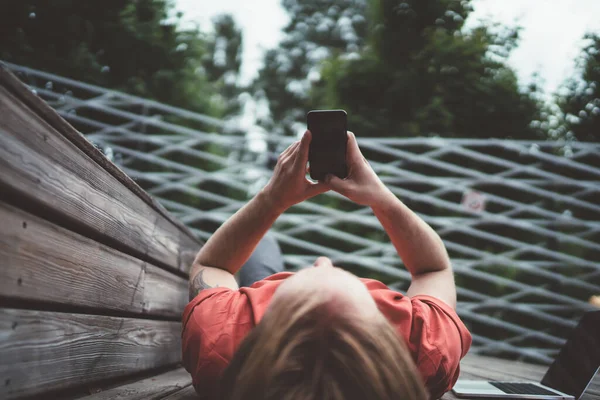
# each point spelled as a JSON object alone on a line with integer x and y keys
{"x": 265, "y": 261}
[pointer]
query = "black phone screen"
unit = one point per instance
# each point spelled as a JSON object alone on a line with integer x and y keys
{"x": 579, "y": 358}
{"x": 327, "y": 153}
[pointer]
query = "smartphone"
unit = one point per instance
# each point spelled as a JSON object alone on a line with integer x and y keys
{"x": 327, "y": 152}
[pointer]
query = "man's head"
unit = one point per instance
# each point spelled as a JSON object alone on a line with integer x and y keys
{"x": 322, "y": 337}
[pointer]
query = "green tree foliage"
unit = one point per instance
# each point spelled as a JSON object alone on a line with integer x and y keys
{"x": 223, "y": 60}
{"x": 318, "y": 29}
{"x": 136, "y": 46}
{"x": 412, "y": 69}
{"x": 581, "y": 102}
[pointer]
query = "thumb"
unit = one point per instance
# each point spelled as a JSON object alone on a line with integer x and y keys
{"x": 336, "y": 183}
{"x": 316, "y": 188}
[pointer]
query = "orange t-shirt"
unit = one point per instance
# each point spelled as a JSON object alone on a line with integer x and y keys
{"x": 216, "y": 321}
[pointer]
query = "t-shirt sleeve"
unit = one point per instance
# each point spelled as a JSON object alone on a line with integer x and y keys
{"x": 214, "y": 323}
{"x": 441, "y": 340}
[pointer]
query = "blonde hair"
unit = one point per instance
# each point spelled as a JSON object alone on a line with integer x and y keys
{"x": 305, "y": 349}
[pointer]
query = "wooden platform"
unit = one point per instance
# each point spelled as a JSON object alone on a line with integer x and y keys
{"x": 488, "y": 368}
{"x": 93, "y": 272}
{"x": 177, "y": 384}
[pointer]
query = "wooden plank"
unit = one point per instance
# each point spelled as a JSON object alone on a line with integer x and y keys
{"x": 489, "y": 368}
{"x": 40, "y": 164}
{"x": 164, "y": 293}
{"x": 496, "y": 368}
{"x": 188, "y": 393}
{"x": 39, "y": 106}
{"x": 44, "y": 351}
{"x": 156, "y": 387}
{"x": 44, "y": 262}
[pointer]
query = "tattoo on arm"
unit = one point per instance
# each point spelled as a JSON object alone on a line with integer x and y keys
{"x": 198, "y": 284}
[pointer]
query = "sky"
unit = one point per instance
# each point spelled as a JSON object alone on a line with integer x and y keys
{"x": 551, "y": 38}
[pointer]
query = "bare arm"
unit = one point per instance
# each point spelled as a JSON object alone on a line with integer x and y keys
{"x": 417, "y": 244}
{"x": 233, "y": 243}
{"x": 420, "y": 248}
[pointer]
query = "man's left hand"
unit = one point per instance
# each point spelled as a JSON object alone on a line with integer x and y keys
{"x": 288, "y": 185}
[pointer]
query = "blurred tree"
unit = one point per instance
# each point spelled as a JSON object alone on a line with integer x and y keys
{"x": 581, "y": 102}
{"x": 411, "y": 70}
{"x": 224, "y": 59}
{"x": 318, "y": 29}
{"x": 136, "y": 46}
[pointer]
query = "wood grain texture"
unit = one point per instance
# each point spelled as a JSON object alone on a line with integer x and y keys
{"x": 188, "y": 393}
{"x": 489, "y": 368}
{"x": 164, "y": 293}
{"x": 44, "y": 262}
{"x": 156, "y": 387}
{"x": 472, "y": 367}
{"x": 42, "y": 351}
{"x": 39, "y": 106}
{"x": 39, "y": 163}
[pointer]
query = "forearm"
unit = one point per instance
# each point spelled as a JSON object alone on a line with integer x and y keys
{"x": 417, "y": 244}
{"x": 233, "y": 243}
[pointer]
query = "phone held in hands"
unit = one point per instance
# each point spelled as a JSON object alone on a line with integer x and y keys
{"x": 327, "y": 152}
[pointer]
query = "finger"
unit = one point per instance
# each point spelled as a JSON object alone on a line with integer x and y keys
{"x": 336, "y": 184}
{"x": 314, "y": 189}
{"x": 304, "y": 146}
{"x": 287, "y": 150}
{"x": 290, "y": 151}
{"x": 290, "y": 148}
{"x": 294, "y": 150}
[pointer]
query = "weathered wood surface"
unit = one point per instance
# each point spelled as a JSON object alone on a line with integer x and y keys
{"x": 489, "y": 368}
{"x": 44, "y": 262}
{"x": 472, "y": 367}
{"x": 156, "y": 387}
{"x": 39, "y": 106}
{"x": 188, "y": 393}
{"x": 40, "y": 164}
{"x": 42, "y": 351}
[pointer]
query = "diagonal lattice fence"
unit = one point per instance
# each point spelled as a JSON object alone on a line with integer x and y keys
{"x": 520, "y": 219}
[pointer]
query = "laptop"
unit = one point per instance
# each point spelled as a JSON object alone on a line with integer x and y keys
{"x": 567, "y": 378}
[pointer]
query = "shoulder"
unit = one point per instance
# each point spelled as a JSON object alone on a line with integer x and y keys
{"x": 421, "y": 318}
{"x": 440, "y": 339}
{"x": 218, "y": 305}
{"x": 434, "y": 333}
{"x": 209, "y": 303}
{"x": 216, "y": 321}
{"x": 442, "y": 322}
{"x": 213, "y": 324}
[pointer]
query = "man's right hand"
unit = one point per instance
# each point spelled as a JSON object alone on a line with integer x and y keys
{"x": 420, "y": 248}
{"x": 362, "y": 185}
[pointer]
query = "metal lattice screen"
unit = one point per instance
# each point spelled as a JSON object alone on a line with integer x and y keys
{"x": 520, "y": 219}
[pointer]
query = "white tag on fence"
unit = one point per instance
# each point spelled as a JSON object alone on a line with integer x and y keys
{"x": 473, "y": 201}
